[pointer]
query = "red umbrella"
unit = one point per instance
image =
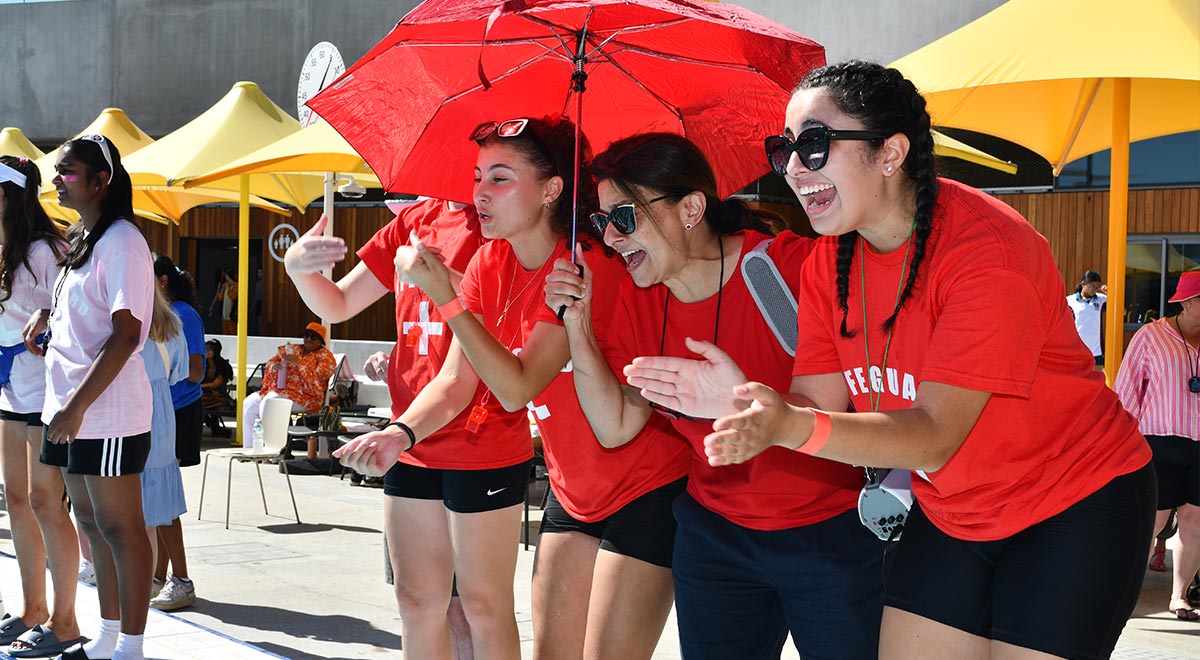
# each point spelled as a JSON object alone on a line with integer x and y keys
{"x": 716, "y": 73}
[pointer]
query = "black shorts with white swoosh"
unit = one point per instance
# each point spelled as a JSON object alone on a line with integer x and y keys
{"x": 463, "y": 491}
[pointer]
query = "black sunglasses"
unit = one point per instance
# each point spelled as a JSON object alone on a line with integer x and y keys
{"x": 311, "y": 335}
{"x": 621, "y": 216}
{"x": 812, "y": 146}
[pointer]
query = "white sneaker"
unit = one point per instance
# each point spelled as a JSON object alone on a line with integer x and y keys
{"x": 87, "y": 572}
{"x": 175, "y": 594}
{"x": 156, "y": 586}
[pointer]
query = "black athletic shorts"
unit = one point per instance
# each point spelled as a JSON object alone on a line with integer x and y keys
{"x": 189, "y": 423}
{"x": 31, "y": 419}
{"x": 103, "y": 457}
{"x": 643, "y": 529}
{"x": 1064, "y": 586}
{"x": 462, "y": 491}
{"x": 1177, "y": 465}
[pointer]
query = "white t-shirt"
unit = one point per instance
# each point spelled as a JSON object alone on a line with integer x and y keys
{"x": 1088, "y": 318}
{"x": 26, "y": 390}
{"x": 118, "y": 275}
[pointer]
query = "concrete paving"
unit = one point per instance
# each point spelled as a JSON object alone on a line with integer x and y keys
{"x": 271, "y": 588}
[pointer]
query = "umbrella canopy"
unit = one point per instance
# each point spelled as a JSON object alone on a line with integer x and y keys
{"x": 14, "y": 143}
{"x": 944, "y": 145}
{"x": 1041, "y": 74}
{"x": 315, "y": 148}
{"x": 241, "y": 122}
{"x": 159, "y": 203}
{"x": 716, "y": 73}
{"x": 1067, "y": 79}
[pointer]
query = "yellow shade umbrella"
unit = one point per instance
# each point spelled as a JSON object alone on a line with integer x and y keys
{"x": 243, "y": 121}
{"x": 14, "y": 143}
{"x": 316, "y": 148}
{"x": 944, "y": 145}
{"x": 158, "y": 203}
{"x": 1070, "y": 78}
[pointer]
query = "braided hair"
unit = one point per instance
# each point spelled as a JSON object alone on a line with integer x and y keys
{"x": 887, "y": 102}
{"x": 25, "y": 223}
{"x": 674, "y": 166}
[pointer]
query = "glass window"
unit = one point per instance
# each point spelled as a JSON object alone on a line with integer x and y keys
{"x": 1148, "y": 283}
{"x": 1171, "y": 160}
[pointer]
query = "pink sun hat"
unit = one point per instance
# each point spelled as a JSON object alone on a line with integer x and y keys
{"x": 1188, "y": 286}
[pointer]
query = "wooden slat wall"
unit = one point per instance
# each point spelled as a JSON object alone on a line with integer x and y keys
{"x": 283, "y": 312}
{"x": 1075, "y": 224}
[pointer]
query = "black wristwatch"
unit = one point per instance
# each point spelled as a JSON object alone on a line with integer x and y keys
{"x": 412, "y": 437}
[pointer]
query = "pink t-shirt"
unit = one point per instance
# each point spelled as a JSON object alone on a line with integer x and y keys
{"x": 118, "y": 275}
{"x": 31, "y": 287}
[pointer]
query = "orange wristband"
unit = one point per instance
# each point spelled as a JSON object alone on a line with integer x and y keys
{"x": 822, "y": 424}
{"x": 451, "y": 309}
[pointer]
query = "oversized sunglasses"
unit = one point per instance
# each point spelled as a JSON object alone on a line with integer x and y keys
{"x": 812, "y": 146}
{"x": 621, "y": 216}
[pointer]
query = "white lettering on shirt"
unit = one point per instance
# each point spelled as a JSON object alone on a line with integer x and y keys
{"x": 901, "y": 385}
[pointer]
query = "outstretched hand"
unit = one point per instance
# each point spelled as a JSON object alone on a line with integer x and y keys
{"x": 314, "y": 252}
{"x": 699, "y": 388}
{"x": 741, "y": 436}
{"x": 567, "y": 288}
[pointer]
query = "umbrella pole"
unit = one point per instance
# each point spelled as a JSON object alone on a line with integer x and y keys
{"x": 243, "y": 275}
{"x": 327, "y": 209}
{"x": 1118, "y": 217}
{"x": 578, "y": 85}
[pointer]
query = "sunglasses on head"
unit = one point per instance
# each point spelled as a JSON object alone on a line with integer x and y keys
{"x": 811, "y": 146}
{"x": 621, "y": 216}
{"x": 505, "y": 129}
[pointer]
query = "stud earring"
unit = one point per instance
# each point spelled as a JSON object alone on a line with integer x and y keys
{"x": 889, "y": 169}
{"x": 688, "y": 227}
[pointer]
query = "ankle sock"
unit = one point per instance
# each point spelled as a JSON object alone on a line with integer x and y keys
{"x": 105, "y": 643}
{"x": 129, "y": 647}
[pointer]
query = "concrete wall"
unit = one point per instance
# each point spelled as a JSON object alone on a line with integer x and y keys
{"x": 166, "y": 61}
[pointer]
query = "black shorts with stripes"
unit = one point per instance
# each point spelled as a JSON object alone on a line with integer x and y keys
{"x": 102, "y": 457}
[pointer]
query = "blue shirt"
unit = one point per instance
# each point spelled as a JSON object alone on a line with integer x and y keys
{"x": 185, "y": 392}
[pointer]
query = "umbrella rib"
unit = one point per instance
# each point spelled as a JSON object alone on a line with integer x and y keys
{"x": 1077, "y": 118}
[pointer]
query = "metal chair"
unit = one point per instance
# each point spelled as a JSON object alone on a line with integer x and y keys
{"x": 276, "y": 413}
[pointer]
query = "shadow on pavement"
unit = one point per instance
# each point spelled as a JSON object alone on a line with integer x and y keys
{"x": 325, "y": 628}
{"x": 306, "y": 528}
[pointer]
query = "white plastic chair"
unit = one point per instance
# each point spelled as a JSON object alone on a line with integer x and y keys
{"x": 276, "y": 414}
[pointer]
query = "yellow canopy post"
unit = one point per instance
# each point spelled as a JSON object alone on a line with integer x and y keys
{"x": 1118, "y": 215}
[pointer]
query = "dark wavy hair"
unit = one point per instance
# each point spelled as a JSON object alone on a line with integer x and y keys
{"x": 180, "y": 286}
{"x": 887, "y": 102}
{"x": 117, "y": 202}
{"x": 673, "y": 165}
{"x": 222, "y": 365}
{"x": 25, "y": 223}
{"x": 548, "y": 144}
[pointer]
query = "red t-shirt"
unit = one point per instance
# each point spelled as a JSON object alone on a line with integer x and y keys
{"x": 779, "y": 489}
{"x": 410, "y": 368}
{"x": 987, "y": 314}
{"x": 589, "y": 480}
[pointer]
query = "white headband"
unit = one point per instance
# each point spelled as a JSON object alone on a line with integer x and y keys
{"x": 103, "y": 144}
{"x": 9, "y": 174}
